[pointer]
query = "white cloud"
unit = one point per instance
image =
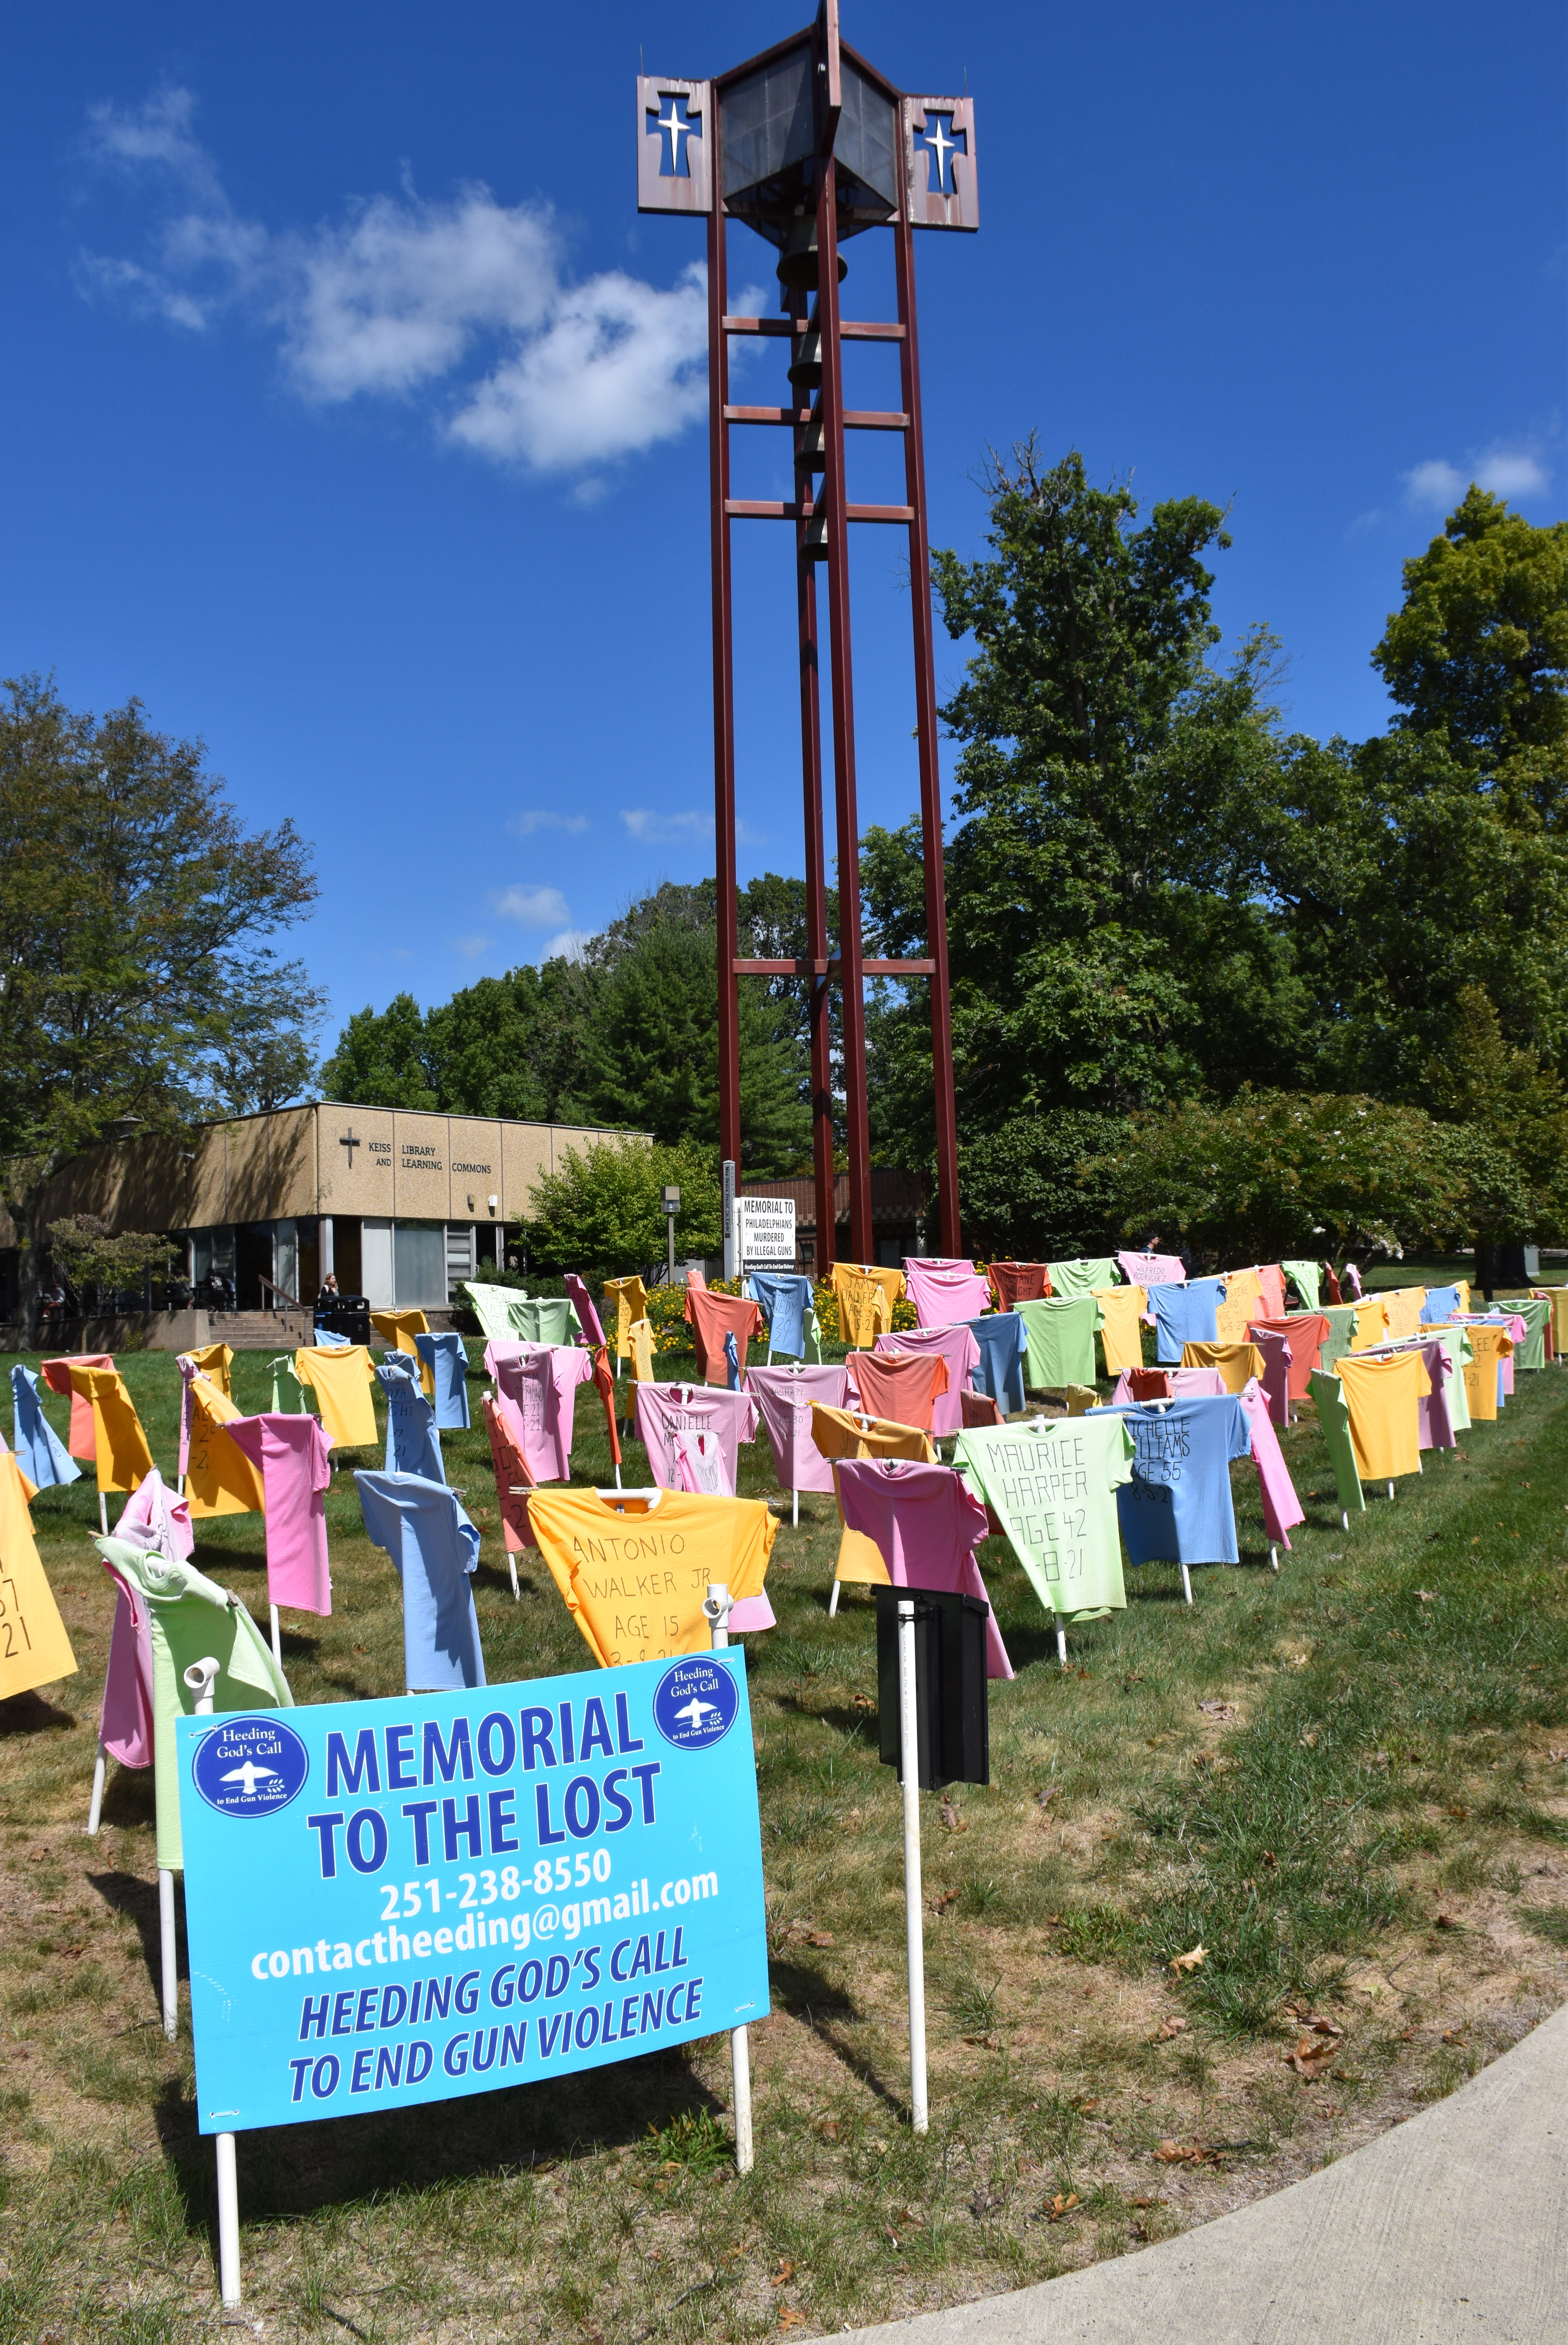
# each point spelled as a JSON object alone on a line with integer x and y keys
{"x": 470, "y": 947}
{"x": 535, "y": 819}
{"x": 653, "y": 823}
{"x": 534, "y": 908}
{"x": 1438, "y": 486}
{"x": 405, "y": 296}
{"x": 570, "y": 945}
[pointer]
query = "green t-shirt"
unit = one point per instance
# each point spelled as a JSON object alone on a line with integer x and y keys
{"x": 1070, "y": 1279}
{"x": 1053, "y": 1487}
{"x": 545, "y": 1318}
{"x": 1535, "y": 1312}
{"x": 1306, "y": 1278}
{"x": 1341, "y": 1334}
{"x": 1061, "y": 1340}
{"x": 191, "y": 1618}
{"x": 1334, "y": 1422}
{"x": 491, "y": 1306}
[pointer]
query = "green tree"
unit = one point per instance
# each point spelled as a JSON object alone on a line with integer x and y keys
{"x": 136, "y": 982}
{"x": 1477, "y": 656}
{"x": 383, "y": 1059}
{"x": 1288, "y": 1172}
{"x": 650, "y": 1056}
{"x": 599, "y": 1212}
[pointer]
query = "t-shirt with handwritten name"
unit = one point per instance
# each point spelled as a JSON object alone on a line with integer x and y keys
{"x": 665, "y": 1412}
{"x": 1177, "y": 1505}
{"x": 633, "y": 1573}
{"x": 1053, "y": 1487}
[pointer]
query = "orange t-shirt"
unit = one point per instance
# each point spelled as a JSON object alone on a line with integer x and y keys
{"x": 900, "y": 1386}
{"x": 633, "y": 1570}
{"x": 123, "y": 1458}
{"x": 714, "y": 1316}
{"x": 838, "y": 1433}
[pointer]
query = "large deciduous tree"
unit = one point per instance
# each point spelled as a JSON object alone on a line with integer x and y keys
{"x": 135, "y": 990}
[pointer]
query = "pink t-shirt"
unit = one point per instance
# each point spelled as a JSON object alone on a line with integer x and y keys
{"x": 126, "y": 1728}
{"x": 699, "y": 1465}
{"x": 294, "y": 1456}
{"x": 1282, "y": 1507}
{"x": 1182, "y": 1383}
{"x": 543, "y": 1386}
{"x": 926, "y": 1526}
{"x": 156, "y": 1521}
{"x": 583, "y": 1302}
{"x": 1276, "y": 1378}
{"x": 1152, "y": 1269}
{"x": 962, "y": 1352}
{"x": 663, "y": 1412}
{"x": 784, "y": 1397}
{"x": 504, "y": 1426}
{"x": 944, "y": 1292}
{"x": 1272, "y": 1287}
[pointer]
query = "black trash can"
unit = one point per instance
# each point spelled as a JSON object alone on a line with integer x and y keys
{"x": 350, "y": 1317}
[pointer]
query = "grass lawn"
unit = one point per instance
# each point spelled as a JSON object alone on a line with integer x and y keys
{"x": 1346, "y": 1783}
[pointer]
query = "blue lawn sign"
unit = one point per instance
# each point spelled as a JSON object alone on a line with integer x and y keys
{"x": 406, "y": 1901}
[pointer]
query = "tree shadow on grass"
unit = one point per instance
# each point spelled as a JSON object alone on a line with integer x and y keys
{"x": 29, "y": 1713}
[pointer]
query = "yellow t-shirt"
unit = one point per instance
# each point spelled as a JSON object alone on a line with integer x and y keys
{"x": 838, "y": 1433}
{"x": 631, "y": 1300}
{"x": 34, "y": 1647}
{"x": 1383, "y": 1397}
{"x": 1490, "y": 1344}
{"x": 400, "y": 1327}
{"x": 1558, "y": 1298}
{"x": 124, "y": 1459}
{"x": 634, "y": 1572}
{"x": 640, "y": 1349}
{"x": 1372, "y": 1323}
{"x": 1243, "y": 1292}
{"x": 1237, "y": 1362}
{"x": 343, "y": 1383}
{"x": 864, "y": 1305}
{"x": 214, "y": 1361}
{"x": 219, "y": 1477}
{"x": 1403, "y": 1308}
{"x": 1121, "y": 1310}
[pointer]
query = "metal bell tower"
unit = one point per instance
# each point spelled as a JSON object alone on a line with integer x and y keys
{"x": 810, "y": 145}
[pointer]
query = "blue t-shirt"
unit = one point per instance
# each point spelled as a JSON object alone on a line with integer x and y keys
{"x": 1003, "y": 1340}
{"x": 413, "y": 1444}
{"x": 784, "y": 1299}
{"x": 447, "y": 1362}
{"x": 1442, "y": 1303}
{"x": 1177, "y": 1507}
{"x": 40, "y": 1452}
{"x": 435, "y": 1547}
{"x": 1185, "y": 1314}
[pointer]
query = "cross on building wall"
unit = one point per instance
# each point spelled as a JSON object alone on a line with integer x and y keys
{"x": 346, "y": 1140}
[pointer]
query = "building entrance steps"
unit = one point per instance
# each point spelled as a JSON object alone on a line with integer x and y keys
{"x": 1450, "y": 2227}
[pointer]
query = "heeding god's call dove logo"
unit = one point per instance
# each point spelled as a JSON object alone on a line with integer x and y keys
{"x": 249, "y": 1766}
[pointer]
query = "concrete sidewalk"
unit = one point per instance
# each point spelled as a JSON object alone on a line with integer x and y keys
{"x": 1454, "y": 2225}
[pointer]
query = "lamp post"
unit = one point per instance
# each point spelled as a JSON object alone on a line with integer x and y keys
{"x": 671, "y": 1204}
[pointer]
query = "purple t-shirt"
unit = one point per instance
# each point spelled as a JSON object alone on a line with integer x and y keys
{"x": 665, "y": 1412}
{"x": 784, "y": 1397}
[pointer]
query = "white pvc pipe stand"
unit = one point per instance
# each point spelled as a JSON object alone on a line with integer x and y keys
{"x": 96, "y": 1809}
{"x": 1187, "y": 1583}
{"x": 276, "y": 1639}
{"x": 914, "y": 1921}
{"x": 103, "y": 1514}
{"x": 201, "y": 1677}
{"x": 1061, "y": 1646}
{"x": 716, "y": 1611}
{"x": 1273, "y": 1558}
{"x": 169, "y": 1951}
{"x": 833, "y": 1601}
{"x": 794, "y": 1510}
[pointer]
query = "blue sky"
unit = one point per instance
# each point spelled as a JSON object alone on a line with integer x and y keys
{"x": 353, "y": 419}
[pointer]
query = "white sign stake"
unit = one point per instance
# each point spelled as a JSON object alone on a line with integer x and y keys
{"x": 276, "y": 1639}
{"x": 201, "y": 1677}
{"x": 716, "y": 1610}
{"x": 914, "y": 1921}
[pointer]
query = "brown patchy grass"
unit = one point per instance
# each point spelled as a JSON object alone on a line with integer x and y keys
{"x": 1377, "y": 1835}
